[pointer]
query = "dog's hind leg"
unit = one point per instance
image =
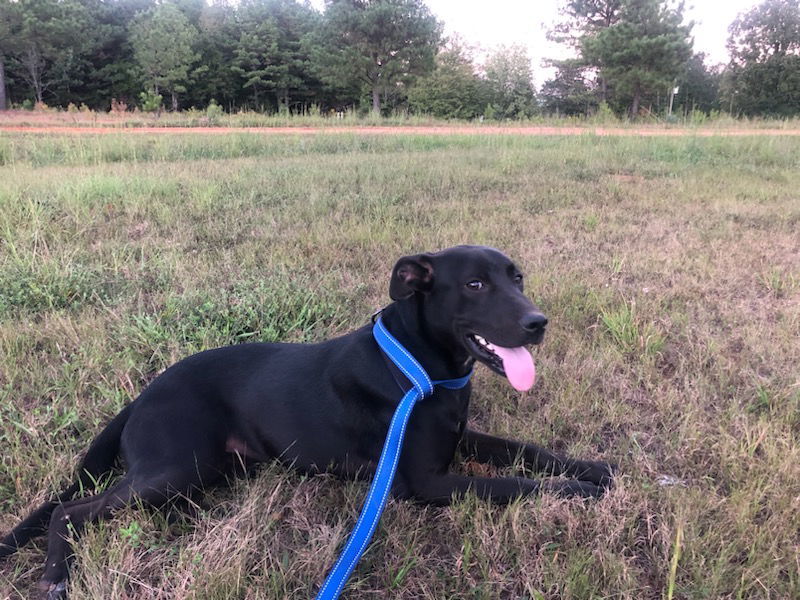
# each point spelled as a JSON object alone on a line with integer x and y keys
{"x": 99, "y": 461}
{"x": 147, "y": 484}
{"x": 34, "y": 524}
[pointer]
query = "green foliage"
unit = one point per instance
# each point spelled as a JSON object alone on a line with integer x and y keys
{"x": 283, "y": 56}
{"x": 294, "y": 83}
{"x": 213, "y": 112}
{"x": 771, "y": 29}
{"x": 271, "y": 54}
{"x": 452, "y": 91}
{"x": 604, "y": 115}
{"x": 770, "y": 88}
{"x": 698, "y": 87}
{"x": 643, "y": 53}
{"x": 47, "y": 42}
{"x": 509, "y": 83}
{"x": 150, "y": 101}
{"x": 256, "y": 58}
{"x": 163, "y": 43}
{"x": 376, "y": 44}
{"x": 582, "y": 17}
{"x": 8, "y": 17}
{"x": 279, "y": 309}
{"x": 109, "y": 71}
{"x": 219, "y": 32}
{"x": 35, "y": 288}
{"x": 69, "y": 51}
{"x": 632, "y": 336}
{"x": 631, "y": 53}
{"x": 581, "y": 20}
{"x": 570, "y": 92}
{"x": 764, "y": 75}
{"x": 132, "y": 533}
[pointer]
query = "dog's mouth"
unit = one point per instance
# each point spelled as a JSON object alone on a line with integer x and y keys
{"x": 516, "y": 364}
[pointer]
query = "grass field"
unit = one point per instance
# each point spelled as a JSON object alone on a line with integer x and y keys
{"x": 669, "y": 269}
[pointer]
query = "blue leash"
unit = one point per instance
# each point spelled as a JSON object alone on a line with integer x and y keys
{"x": 387, "y": 465}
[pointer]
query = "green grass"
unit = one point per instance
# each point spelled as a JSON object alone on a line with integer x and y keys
{"x": 669, "y": 270}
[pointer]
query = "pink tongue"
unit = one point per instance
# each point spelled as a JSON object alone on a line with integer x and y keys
{"x": 518, "y": 365}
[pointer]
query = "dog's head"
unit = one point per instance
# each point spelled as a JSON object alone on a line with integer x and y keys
{"x": 471, "y": 299}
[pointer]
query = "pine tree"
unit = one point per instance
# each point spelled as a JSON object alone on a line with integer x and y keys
{"x": 163, "y": 44}
{"x": 256, "y": 57}
{"x": 644, "y": 52}
{"x": 48, "y": 41}
{"x": 9, "y": 21}
{"x": 376, "y": 43}
{"x": 581, "y": 20}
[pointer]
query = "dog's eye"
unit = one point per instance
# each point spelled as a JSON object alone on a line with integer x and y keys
{"x": 475, "y": 284}
{"x": 518, "y": 278}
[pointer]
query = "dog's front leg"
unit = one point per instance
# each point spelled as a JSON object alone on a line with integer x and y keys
{"x": 504, "y": 453}
{"x": 442, "y": 489}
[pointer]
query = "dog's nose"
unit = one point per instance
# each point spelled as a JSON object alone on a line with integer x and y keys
{"x": 533, "y": 322}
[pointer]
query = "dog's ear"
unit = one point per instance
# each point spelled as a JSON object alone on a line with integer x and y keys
{"x": 411, "y": 274}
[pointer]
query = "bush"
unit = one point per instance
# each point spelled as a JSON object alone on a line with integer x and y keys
{"x": 213, "y": 112}
{"x": 151, "y": 102}
{"x": 604, "y": 115}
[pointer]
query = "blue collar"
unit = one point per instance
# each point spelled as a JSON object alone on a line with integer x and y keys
{"x": 409, "y": 365}
{"x": 423, "y": 387}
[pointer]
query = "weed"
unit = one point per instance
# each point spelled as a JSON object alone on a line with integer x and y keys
{"x": 778, "y": 282}
{"x": 132, "y": 533}
{"x": 631, "y": 335}
{"x": 50, "y": 287}
{"x": 590, "y": 222}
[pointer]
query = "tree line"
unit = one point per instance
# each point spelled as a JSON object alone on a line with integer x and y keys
{"x": 385, "y": 55}
{"x": 635, "y": 55}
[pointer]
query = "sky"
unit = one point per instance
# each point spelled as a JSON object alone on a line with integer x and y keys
{"x": 487, "y": 24}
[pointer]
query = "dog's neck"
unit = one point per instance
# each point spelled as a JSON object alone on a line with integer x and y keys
{"x": 442, "y": 358}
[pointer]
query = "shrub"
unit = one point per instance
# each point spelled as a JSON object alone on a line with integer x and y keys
{"x": 213, "y": 112}
{"x": 150, "y": 101}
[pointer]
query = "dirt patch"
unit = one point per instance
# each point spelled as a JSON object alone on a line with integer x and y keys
{"x": 409, "y": 130}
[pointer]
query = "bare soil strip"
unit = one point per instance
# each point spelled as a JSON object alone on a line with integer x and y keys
{"x": 410, "y": 130}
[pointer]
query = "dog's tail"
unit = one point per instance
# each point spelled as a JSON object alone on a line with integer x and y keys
{"x": 99, "y": 460}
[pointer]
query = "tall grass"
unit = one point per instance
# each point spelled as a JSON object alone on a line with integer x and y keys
{"x": 214, "y": 116}
{"x": 667, "y": 267}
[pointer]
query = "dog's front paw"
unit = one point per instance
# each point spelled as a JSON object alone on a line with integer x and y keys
{"x": 571, "y": 488}
{"x": 598, "y": 472}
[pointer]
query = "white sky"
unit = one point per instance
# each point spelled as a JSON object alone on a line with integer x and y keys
{"x": 526, "y": 22}
{"x": 487, "y": 24}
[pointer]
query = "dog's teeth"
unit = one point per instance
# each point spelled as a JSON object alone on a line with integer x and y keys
{"x": 480, "y": 339}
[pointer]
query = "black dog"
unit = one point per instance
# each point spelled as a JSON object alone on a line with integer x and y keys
{"x": 327, "y": 407}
